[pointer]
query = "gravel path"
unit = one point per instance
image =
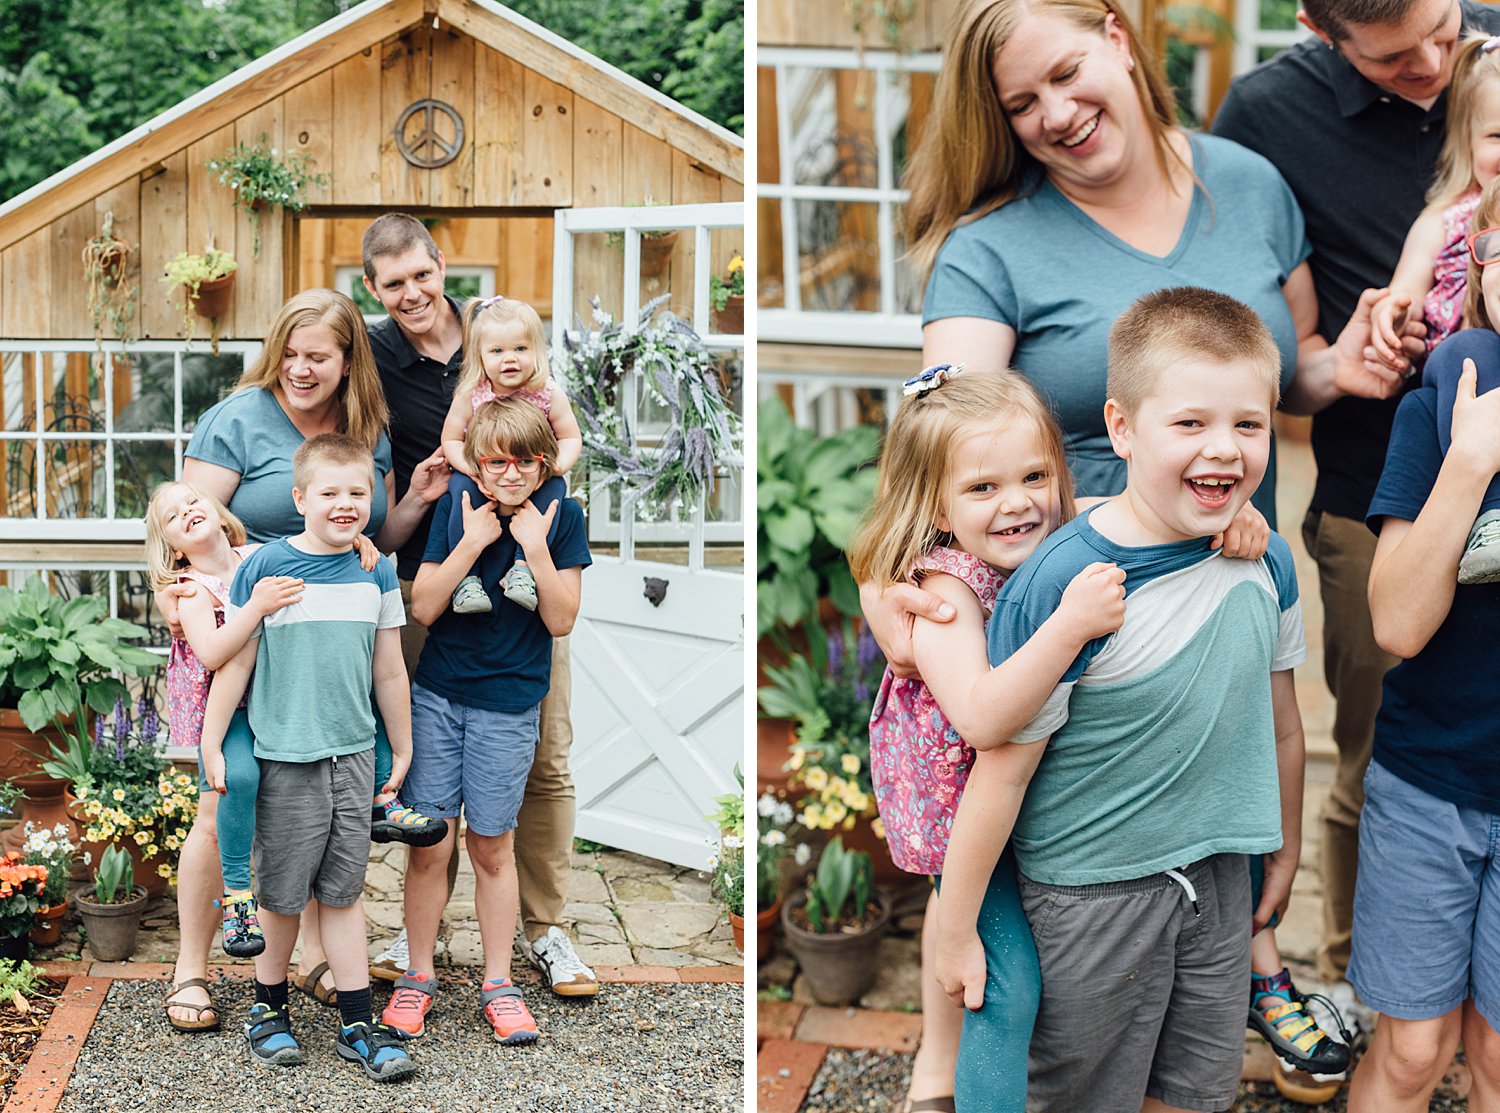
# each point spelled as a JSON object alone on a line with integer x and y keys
{"x": 637, "y": 1047}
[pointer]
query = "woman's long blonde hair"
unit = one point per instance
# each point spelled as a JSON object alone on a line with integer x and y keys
{"x": 163, "y": 563}
{"x": 914, "y": 464}
{"x": 1486, "y": 215}
{"x": 362, "y": 414}
{"x": 501, "y": 311}
{"x": 969, "y": 163}
{"x": 1472, "y": 67}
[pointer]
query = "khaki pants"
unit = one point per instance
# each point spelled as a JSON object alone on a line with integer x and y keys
{"x": 544, "y": 831}
{"x": 1354, "y": 667}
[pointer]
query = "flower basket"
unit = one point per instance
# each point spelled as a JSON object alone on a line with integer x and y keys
{"x": 112, "y": 928}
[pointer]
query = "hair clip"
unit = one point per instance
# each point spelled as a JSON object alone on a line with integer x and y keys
{"x": 1492, "y": 43}
{"x": 931, "y": 378}
{"x": 496, "y": 300}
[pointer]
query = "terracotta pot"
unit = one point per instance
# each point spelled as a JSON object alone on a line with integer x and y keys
{"x": 731, "y": 319}
{"x": 111, "y": 928}
{"x": 213, "y": 296}
{"x": 840, "y": 967}
{"x": 110, "y": 261}
{"x": 21, "y": 755}
{"x": 765, "y": 930}
{"x": 737, "y": 925}
{"x": 46, "y": 929}
{"x": 14, "y": 948}
{"x": 656, "y": 254}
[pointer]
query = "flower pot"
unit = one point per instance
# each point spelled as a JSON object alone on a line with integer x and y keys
{"x": 656, "y": 254}
{"x": 213, "y": 296}
{"x": 765, "y": 930}
{"x": 21, "y": 755}
{"x": 111, "y": 259}
{"x": 840, "y": 967}
{"x": 111, "y": 928}
{"x": 14, "y": 948}
{"x": 737, "y": 925}
{"x": 731, "y": 319}
{"x": 145, "y": 871}
{"x": 46, "y": 929}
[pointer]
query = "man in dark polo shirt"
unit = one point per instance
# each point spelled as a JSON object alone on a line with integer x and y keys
{"x": 1354, "y": 120}
{"x": 418, "y": 351}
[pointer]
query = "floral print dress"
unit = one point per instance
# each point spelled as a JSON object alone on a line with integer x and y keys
{"x": 1444, "y": 308}
{"x": 484, "y": 392}
{"x": 918, "y": 762}
{"x": 187, "y": 680}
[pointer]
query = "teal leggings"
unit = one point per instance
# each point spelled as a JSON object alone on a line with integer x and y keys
{"x": 235, "y": 820}
{"x": 991, "y": 1075}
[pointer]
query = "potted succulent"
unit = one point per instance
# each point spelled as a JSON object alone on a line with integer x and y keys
{"x": 207, "y": 281}
{"x": 58, "y": 660}
{"x": 111, "y": 293}
{"x": 112, "y": 911}
{"x": 260, "y": 175}
{"x": 834, "y": 927}
{"x": 774, "y": 817}
{"x": 54, "y": 851}
{"x": 727, "y": 862}
{"x": 727, "y": 295}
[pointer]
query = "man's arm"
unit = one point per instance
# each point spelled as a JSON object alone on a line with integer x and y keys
{"x": 1281, "y": 865}
{"x": 393, "y": 697}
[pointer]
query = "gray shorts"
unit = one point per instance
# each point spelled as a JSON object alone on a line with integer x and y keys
{"x": 1141, "y": 995}
{"x": 312, "y": 831}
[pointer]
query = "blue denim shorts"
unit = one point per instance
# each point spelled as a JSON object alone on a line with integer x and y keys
{"x": 469, "y": 759}
{"x": 1427, "y": 903}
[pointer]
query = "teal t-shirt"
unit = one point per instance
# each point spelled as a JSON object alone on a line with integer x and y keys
{"x": 1045, "y": 268}
{"x": 1163, "y": 742}
{"x": 310, "y": 698}
{"x": 249, "y": 433}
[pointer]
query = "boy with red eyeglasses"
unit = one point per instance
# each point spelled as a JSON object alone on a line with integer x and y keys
{"x": 477, "y": 693}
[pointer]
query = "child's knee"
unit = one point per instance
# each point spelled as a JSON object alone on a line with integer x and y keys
{"x": 492, "y": 853}
{"x": 242, "y": 781}
{"x": 1419, "y": 1051}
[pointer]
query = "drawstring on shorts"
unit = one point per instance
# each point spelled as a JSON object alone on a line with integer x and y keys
{"x": 1187, "y": 887}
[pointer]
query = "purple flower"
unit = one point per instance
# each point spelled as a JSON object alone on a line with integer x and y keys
{"x": 861, "y": 690}
{"x": 835, "y": 653}
{"x": 150, "y": 724}
{"x": 98, "y": 731}
{"x": 867, "y": 651}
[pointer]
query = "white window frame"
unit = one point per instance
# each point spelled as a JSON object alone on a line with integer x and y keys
{"x": 885, "y": 327}
{"x": 631, "y": 222}
{"x": 342, "y": 276}
{"x": 1250, "y": 36}
{"x": 37, "y": 527}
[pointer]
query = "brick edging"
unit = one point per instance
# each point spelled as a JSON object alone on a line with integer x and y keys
{"x": 41, "y": 1085}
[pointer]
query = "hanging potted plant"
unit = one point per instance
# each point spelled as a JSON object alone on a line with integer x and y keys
{"x": 727, "y": 862}
{"x": 834, "y": 927}
{"x": 21, "y": 889}
{"x": 54, "y": 851}
{"x": 112, "y": 911}
{"x": 727, "y": 294}
{"x": 106, "y": 276}
{"x": 260, "y": 175}
{"x": 206, "y": 281}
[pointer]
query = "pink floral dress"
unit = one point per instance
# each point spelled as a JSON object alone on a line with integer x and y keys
{"x": 187, "y": 680}
{"x": 541, "y": 399}
{"x": 918, "y": 762}
{"x": 1444, "y": 308}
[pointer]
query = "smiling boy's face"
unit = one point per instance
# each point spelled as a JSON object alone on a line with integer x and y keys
{"x": 502, "y": 480}
{"x": 336, "y": 505}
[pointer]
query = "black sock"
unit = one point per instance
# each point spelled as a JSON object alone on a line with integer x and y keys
{"x": 354, "y": 1006}
{"x": 273, "y": 995}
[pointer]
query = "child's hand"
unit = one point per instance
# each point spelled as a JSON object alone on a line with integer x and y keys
{"x": 1093, "y": 604}
{"x": 1388, "y": 322}
{"x": 1247, "y": 537}
{"x": 369, "y": 555}
{"x": 1475, "y": 422}
{"x": 1359, "y": 368}
{"x": 960, "y": 970}
{"x": 272, "y": 593}
{"x": 167, "y": 604}
{"x": 481, "y": 523}
{"x": 213, "y": 768}
{"x": 429, "y": 479}
{"x": 529, "y": 527}
{"x": 400, "y": 763}
{"x": 1276, "y": 886}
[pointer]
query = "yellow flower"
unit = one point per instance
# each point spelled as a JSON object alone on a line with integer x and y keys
{"x": 172, "y": 842}
{"x": 737, "y": 264}
{"x": 878, "y": 827}
{"x": 836, "y": 812}
{"x": 796, "y": 763}
{"x": 118, "y": 794}
{"x": 816, "y": 778}
{"x": 812, "y": 817}
{"x": 82, "y": 792}
{"x": 142, "y": 838}
{"x": 152, "y": 850}
{"x": 850, "y": 762}
{"x": 849, "y": 823}
{"x": 164, "y": 870}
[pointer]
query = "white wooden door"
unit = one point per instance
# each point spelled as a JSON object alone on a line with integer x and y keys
{"x": 658, "y": 688}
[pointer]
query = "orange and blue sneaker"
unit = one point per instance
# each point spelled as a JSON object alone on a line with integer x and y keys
{"x": 1279, "y": 1013}
{"x": 406, "y": 1015}
{"x": 242, "y": 935}
{"x": 507, "y": 1013}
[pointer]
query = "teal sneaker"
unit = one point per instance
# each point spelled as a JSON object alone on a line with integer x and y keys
{"x": 377, "y": 1050}
{"x": 269, "y": 1031}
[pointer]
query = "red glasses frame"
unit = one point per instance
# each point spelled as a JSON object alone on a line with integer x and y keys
{"x": 1474, "y": 254}
{"x": 524, "y": 465}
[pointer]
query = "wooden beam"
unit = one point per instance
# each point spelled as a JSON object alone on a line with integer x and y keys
{"x": 178, "y": 131}
{"x": 588, "y": 81}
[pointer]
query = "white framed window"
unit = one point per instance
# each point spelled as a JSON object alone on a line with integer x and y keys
{"x": 86, "y": 437}
{"x": 1263, "y": 28}
{"x": 460, "y": 283}
{"x": 831, "y": 269}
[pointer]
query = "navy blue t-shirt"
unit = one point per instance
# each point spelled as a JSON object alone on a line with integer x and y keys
{"x": 1439, "y": 721}
{"x": 501, "y": 661}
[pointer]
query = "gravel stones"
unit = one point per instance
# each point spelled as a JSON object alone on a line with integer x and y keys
{"x": 635, "y": 1047}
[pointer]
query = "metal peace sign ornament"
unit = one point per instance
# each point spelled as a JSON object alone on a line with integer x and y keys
{"x": 429, "y": 134}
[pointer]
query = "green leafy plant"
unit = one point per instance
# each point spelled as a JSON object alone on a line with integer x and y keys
{"x": 190, "y": 271}
{"x": 260, "y": 175}
{"x": 18, "y": 981}
{"x": 114, "y": 880}
{"x": 59, "y": 657}
{"x": 106, "y": 275}
{"x": 54, "y": 850}
{"x": 720, "y": 288}
{"x": 21, "y": 894}
{"x": 774, "y": 820}
{"x": 838, "y": 893}
{"x": 727, "y": 862}
{"x": 11, "y": 794}
{"x": 810, "y": 493}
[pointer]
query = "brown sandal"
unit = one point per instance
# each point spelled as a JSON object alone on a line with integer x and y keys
{"x": 197, "y": 1024}
{"x": 311, "y": 984}
{"x": 934, "y": 1105}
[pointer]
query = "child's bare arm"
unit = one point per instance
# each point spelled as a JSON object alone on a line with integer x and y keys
{"x": 393, "y": 697}
{"x": 988, "y": 706}
{"x": 557, "y": 590}
{"x": 459, "y": 413}
{"x": 213, "y": 644}
{"x": 224, "y": 695}
{"x": 434, "y": 585}
{"x": 986, "y": 816}
{"x": 1281, "y": 865}
{"x": 565, "y": 429}
{"x": 1411, "y": 283}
